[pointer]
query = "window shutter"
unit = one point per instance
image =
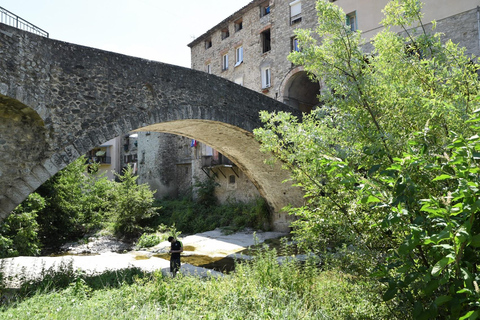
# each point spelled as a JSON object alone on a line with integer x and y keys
{"x": 295, "y": 8}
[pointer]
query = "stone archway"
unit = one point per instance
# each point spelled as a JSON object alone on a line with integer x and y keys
{"x": 299, "y": 91}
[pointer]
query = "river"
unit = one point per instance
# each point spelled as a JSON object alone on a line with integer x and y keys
{"x": 212, "y": 245}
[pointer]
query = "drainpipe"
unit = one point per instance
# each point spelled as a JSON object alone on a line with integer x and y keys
{"x": 478, "y": 24}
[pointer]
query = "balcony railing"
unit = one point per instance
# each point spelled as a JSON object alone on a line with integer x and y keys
{"x": 210, "y": 161}
{"x": 101, "y": 160}
{"x": 11, "y": 19}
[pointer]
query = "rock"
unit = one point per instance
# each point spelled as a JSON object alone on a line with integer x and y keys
{"x": 96, "y": 246}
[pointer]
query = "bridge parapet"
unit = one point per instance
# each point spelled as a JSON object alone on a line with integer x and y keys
{"x": 13, "y": 20}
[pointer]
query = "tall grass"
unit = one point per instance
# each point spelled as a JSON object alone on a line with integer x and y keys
{"x": 260, "y": 289}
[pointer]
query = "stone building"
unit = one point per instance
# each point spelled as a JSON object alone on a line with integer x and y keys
{"x": 250, "y": 47}
{"x": 107, "y": 155}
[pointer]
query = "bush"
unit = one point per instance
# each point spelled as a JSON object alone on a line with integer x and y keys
{"x": 149, "y": 240}
{"x": 389, "y": 163}
{"x": 190, "y": 217}
{"x": 76, "y": 203}
{"x": 19, "y": 231}
{"x": 132, "y": 205}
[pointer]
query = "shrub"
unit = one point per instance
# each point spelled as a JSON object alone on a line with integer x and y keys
{"x": 76, "y": 202}
{"x": 132, "y": 205}
{"x": 149, "y": 240}
{"x": 19, "y": 231}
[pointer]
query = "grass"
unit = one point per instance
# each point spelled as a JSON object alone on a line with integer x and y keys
{"x": 261, "y": 289}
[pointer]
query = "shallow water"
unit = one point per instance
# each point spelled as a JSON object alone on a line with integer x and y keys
{"x": 221, "y": 264}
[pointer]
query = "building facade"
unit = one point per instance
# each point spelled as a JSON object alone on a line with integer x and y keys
{"x": 107, "y": 155}
{"x": 251, "y": 46}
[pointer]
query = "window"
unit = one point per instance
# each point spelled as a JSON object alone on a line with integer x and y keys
{"x": 295, "y": 12}
{"x": 352, "y": 21}
{"x": 225, "y": 33}
{"x": 295, "y": 46}
{"x": 208, "y": 68}
{"x": 231, "y": 179}
{"x": 238, "y": 25}
{"x": 225, "y": 62}
{"x": 265, "y": 9}
{"x": 238, "y": 56}
{"x": 266, "y": 45}
{"x": 208, "y": 43}
{"x": 266, "y": 78}
{"x": 208, "y": 150}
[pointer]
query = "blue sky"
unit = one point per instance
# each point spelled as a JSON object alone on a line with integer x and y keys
{"x": 153, "y": 29}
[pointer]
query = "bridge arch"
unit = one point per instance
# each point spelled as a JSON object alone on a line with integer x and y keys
{"x": 76, "y": 98}
{"x": 299, "y": 91}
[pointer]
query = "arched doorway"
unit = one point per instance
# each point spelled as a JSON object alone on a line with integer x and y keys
{"x": 301, "y": 92}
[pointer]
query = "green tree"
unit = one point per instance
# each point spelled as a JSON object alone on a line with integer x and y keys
{"x": 19, "y": 231}
{"x": 76, "y": 201}
{"x": 370, "y": 155}
{"x": 132, "y": 205}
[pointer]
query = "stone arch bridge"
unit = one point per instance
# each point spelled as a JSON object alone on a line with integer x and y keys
{"x": 59, "y": 100}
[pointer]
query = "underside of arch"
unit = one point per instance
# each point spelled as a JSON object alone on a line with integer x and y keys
{"x": 240, "y": 146}
{"x": 301, "y": 92}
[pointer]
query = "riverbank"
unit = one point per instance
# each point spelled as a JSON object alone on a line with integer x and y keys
{"x": 211, "y": 243}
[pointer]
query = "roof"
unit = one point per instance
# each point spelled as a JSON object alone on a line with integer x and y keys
{"x": 234, "y": 16}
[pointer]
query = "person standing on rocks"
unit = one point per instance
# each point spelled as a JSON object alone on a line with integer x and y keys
{"x": 175, "y": 250}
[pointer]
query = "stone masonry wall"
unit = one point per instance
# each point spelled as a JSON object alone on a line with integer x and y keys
{"x": 249, "y": 37}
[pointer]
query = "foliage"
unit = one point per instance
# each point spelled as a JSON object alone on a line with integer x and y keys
{"x": 384, "y": 163}
{"x": 435, "y": 266}
{"x": 147, "y": 240}
{"x": 190, "y": 217}
{"x": 76, "y": 203}
{"x": 131, "y": 205}
{"x": 205, "y": 190}
{"x": 19, "y": 231}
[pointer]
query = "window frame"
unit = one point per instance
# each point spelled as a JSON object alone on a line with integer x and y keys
{"x": 238, "y": 57}
{"x": 225, "y": 62}
{"x": 348, "y": 21}
{"x": 295, "y": 44}
{"x": 297, "y": 17}
{"x": 208, "y": 43}
{"x": 265, "y": 9}
{"x": 238, "y": 24}
{"x": 225, "y": 33}
{"x": 266, "y": 41}
{"x": 266, "y": 77}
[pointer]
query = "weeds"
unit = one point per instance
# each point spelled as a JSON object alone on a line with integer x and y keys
{"x": 191, "y": 217}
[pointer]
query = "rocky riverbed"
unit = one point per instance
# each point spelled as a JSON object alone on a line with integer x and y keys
{"x": 101, "y": 254}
